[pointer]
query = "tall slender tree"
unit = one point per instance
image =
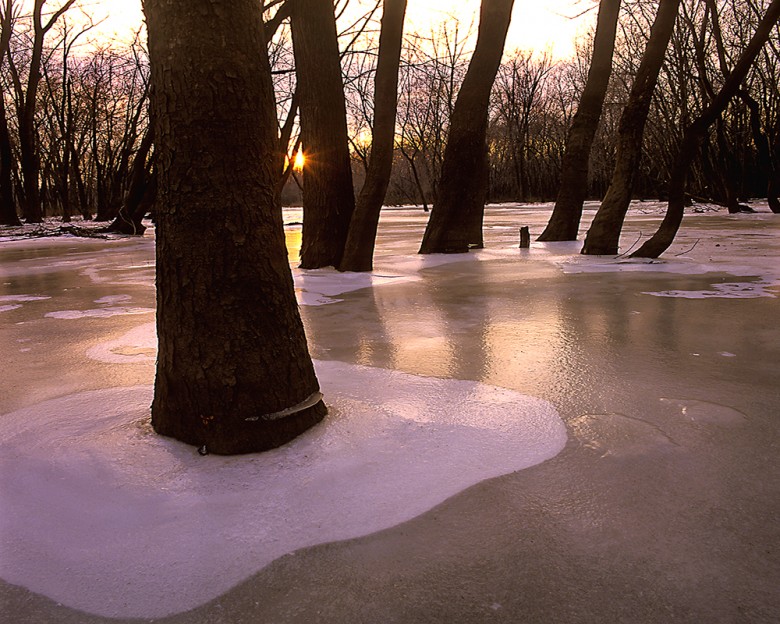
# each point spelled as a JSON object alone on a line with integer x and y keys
{"x": 604, "y": 234}
{"x": 565, "y": 220}
{"x": 456, "y": 218}
{"x": 328, "y": 196}
{"x": 28, "y": 103}
{"x": 8, "y": 214}
{"x": 233, "y": 370}
{"x": 359, "y": 251}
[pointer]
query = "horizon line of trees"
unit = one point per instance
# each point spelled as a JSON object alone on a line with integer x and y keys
{"x": 72, "y": 131}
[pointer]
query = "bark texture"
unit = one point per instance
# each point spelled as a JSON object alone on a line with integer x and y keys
{"x": 456, "y": 218}
{"x": 565, "y": 220}
{"x": 328, "y": 196}
{"x": 604, "y": 234}
{"x": 359, "y": 251}
{"x": 232, "y": 353}
{"x": 695, "y": 134}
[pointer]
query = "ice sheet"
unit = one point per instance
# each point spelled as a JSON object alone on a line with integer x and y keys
{"x": 99, "y": 513}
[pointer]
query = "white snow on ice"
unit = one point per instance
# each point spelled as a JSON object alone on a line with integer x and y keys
{"x": 98, "y": 313}
{"x": 99, "y": 513}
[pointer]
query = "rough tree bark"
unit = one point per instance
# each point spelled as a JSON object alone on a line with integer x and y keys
{"x": 456, "y": 218}
{"x": 565, "y": 220}
{"x": 359, "y": 251}
{"x": 328, "y": 196}
{"x": 233, "y": 370}
{"x": 695, "y": 133}
{"x": 604, "y": 234}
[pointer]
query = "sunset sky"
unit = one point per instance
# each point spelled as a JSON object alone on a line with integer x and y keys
{"x": 535, "y": 25}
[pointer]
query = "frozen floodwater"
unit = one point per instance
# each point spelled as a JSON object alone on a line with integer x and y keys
{"x": 443, "y": 487}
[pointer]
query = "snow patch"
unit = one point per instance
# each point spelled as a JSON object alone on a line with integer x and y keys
{"x": 8, "y": 308}
{"x": 322, "y": 286}
{"x": 99, "y": 513}
{"x": 98, "y": 313}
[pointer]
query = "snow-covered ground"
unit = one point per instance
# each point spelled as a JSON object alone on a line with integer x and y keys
{"x": 441, "y": 373}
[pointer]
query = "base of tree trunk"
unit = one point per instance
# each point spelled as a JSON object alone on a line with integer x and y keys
{"x": 249, "y": 436}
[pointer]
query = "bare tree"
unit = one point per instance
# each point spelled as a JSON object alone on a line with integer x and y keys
{"x": 694, "y": 134}
{"x": 604, "y": 233}
{"x": 328, "y": 196}
{"x": 8, "y": 214}
{"x": 358, "y": 255}
{"x": 456, "y": 219}
{"x": 565, "y": 220}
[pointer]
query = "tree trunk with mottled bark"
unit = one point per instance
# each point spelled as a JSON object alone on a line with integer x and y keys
{"x": 604, "y": 234}
{"x": 456, "y": 218}
{"x": 565, "y": 220}
{"x": 328, "y": 196}
{"x": 359, "y": 251}
{"x": 696, "y": 132}
{"x": 233, "y": 369}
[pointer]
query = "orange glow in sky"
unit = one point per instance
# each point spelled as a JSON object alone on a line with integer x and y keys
{"x": 536, "y": 24}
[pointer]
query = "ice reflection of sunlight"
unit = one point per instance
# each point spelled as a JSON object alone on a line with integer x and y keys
{"x": 422, "y": 343}
{"x": 293, "y": 237}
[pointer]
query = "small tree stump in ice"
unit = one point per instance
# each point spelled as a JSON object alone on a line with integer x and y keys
{"x": 525, "y": 238}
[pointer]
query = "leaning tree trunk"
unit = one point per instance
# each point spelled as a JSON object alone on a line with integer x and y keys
{"x": 565, "y": 220}
{"x": 328, "y": 196}
{"x": 130, "y": 215}
{"x": 696, "y": 132}
{"x": 359, "y": 251}
{"x": 456, "y": 218}
{"x": 233, "y": 370}
{"x": 604, "y": 234}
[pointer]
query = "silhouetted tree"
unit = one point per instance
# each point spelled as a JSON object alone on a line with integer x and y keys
{"x": 359, "y": 251}
{"x": 604, "y": 233}
{"x": 694, "y": 134}
{"x": 233, "y": 370}
{"x": 456, "y": 219}
{"x": 565, "y": 220}
{"x": 328, "y": 196}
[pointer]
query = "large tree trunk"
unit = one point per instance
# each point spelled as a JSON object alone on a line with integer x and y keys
{"x": 695, "y": 133}
{"x": 604, "y": 233}
{"x": 359, "y": 251}
{"x": 233, "y": 369}
{"x": 456, "y": 217}
{"x": 565, "y": 220}
{"x": 328, "y": 196}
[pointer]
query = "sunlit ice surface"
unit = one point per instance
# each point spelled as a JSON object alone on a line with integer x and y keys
{"x": 425, "y": 362}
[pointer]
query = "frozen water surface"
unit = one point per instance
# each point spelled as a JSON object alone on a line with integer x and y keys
{"x": 443, "y": 463}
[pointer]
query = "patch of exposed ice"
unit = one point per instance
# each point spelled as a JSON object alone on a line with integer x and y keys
{"x": 98, "y": 313}
{"x": 704, "y": 412}
{"x": 112, "y": 299}
{"x": 101, "y": 514}
{"x": 728, "y": 290}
